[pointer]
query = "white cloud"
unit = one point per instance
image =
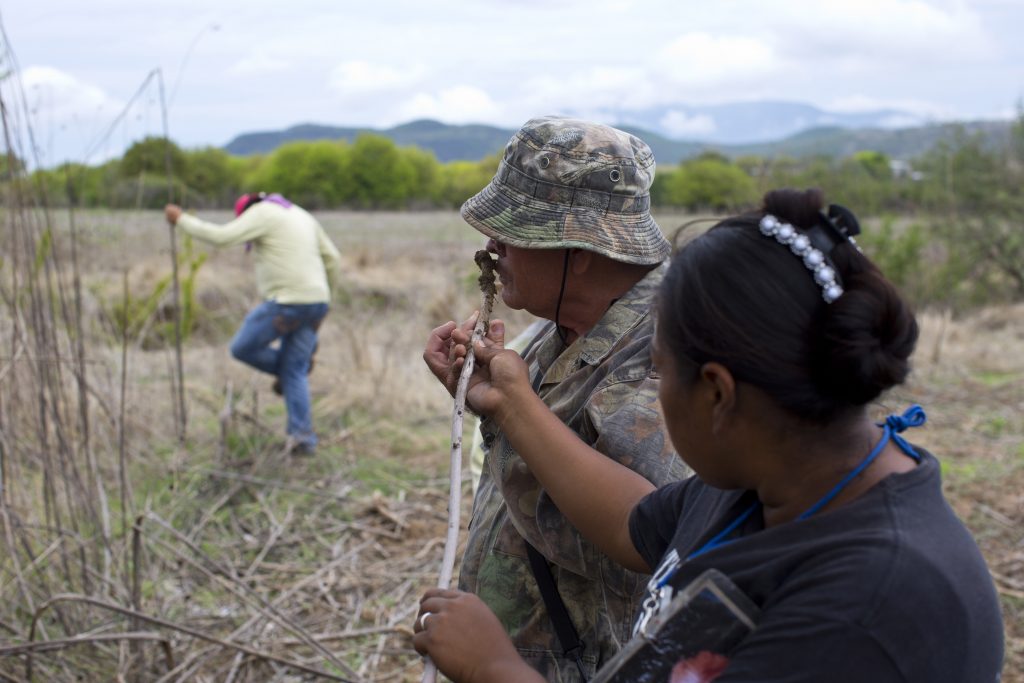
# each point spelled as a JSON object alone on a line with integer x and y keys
{"x": 64, "y": 116}
{"x": 459, "y": 104}
{"x": 594, "y": 88}
{"x": 900, "y": 121}
{"x": 877, "y": 31}
{"x": 359, "y": 77}
{"x": 680, "y": 124}
{"x": 1008, "y": 113}
{"x": 863, "y": 103}
{"x": 386, "y": 62}
{"x": 62, "y": 96}
{"x": 258, "y": 64}
{"x": 703, "y": 59}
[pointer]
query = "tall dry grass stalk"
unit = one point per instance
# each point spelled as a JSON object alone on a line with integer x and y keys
{"x": 55, "y": 510}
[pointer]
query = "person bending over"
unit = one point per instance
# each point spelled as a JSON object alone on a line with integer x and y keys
{"x": 296, "y": 266}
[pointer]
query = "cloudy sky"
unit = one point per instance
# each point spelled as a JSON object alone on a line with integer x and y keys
{"x": 233, "y": 66}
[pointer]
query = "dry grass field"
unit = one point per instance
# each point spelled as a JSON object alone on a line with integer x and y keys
{"x": 223, "y": 559}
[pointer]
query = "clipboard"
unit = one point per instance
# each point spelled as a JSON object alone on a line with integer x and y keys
{"x": 690, "y": 638}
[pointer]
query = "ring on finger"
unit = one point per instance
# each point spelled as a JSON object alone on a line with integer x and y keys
{"x": 423, "y": 620}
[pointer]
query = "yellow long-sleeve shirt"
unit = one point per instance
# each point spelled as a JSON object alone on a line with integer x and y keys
{"x": 296, "y": 262}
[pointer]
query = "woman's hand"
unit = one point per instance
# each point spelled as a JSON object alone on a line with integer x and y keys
{"x": 466, "y": 641}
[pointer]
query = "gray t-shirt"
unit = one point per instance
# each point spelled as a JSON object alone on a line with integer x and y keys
{"x": 890, "y": 587}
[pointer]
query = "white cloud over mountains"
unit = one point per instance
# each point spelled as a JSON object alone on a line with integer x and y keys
{"x": 682, "y": 125}
{"x": 359, "y": 76}
{"x": 461, "y": 104}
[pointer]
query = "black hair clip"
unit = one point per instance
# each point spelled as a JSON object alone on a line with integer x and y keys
{"x": 843, "y": 220}
{"x": 837, "y": 226}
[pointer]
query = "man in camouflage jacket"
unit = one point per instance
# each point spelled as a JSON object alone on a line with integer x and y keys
{"x": 568, "y": 217}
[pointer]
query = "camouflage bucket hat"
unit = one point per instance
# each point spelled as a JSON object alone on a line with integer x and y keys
{"x": 566, "y": 183}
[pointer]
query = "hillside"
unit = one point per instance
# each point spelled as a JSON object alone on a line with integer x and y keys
{"x": 902, "y": 143}
{"x": 447, "y": 142}
{"x": 475, "y": 141}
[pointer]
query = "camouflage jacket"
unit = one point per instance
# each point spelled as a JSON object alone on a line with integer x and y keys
{"x": 604, "y": 387}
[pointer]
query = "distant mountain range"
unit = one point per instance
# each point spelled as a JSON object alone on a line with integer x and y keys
{"x": 447, "y": 142}
{"x": 763, "y": 128}
{"x": 741, "y": 123}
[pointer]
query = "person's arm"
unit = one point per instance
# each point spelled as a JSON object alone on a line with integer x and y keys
{"x": 593, "y": 491}
{"x": 331, "y": 258}
{"x": 250, "y": 225}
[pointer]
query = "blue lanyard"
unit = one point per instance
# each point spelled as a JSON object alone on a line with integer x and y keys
{"x": 894, "y": 424}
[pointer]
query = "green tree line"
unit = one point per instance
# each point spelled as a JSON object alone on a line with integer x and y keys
{"x": 945, "y": 225}
{"x": 369, "y": 173}
{"x": 373, "y": 172}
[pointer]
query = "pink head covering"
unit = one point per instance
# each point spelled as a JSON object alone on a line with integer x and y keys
{"x": 247, "y": 200}
{"x": 241, "y": 204}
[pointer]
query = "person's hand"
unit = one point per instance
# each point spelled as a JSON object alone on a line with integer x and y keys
{"x": 466, "y": 641}
{"x": 445, "y": 353}
{"x": 172, "y": 212}
{"x": 500, "y": 376}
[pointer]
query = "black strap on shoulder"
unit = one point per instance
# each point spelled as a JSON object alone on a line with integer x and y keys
{"x": 568, "y": 637}
{"x": 572, "y": 646}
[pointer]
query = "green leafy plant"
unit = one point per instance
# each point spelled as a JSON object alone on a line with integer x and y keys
{"x": 149, "y": 319}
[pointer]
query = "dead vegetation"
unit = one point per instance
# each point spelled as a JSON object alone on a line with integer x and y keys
{"x": 126, "y": 556}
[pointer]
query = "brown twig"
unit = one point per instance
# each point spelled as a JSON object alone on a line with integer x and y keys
{"x": 229, "y": 579}
{"x": 182, "y": 416}
{"x": 122, "y": 459}
{"x": 488, "y": 289}
{"x": 136, "y": 578}
{"x": 354, "y": 633}
{"x": 226, "y": 418}
{"x": 70, "y": 597}
{"x": 62, "y": 643}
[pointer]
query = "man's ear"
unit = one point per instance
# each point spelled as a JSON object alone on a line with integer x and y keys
{"x": 580, "y": 260}
{"x": 720, "y": 388}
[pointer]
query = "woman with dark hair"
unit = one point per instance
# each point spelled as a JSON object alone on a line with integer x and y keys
{"x": 774, "y": 334}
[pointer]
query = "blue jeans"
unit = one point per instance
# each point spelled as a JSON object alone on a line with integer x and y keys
{"x": 296, "y": 326}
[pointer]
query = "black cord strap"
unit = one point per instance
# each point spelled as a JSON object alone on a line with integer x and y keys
{"x": 572, "y": 646}
{"x": 568, "y": 637}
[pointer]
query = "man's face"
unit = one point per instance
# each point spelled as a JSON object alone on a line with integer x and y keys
{"x": 530, "y": 278}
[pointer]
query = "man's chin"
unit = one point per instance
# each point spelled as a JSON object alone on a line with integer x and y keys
{"x": 513, "y": 305}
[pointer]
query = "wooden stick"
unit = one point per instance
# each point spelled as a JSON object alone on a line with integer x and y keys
{"x": 487, "y": 287}
{"x": 179, "y": 393}
{"x": 225, "y": 419}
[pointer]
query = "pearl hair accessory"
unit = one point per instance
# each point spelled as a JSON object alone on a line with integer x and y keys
{"x": 814, "y": 259}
